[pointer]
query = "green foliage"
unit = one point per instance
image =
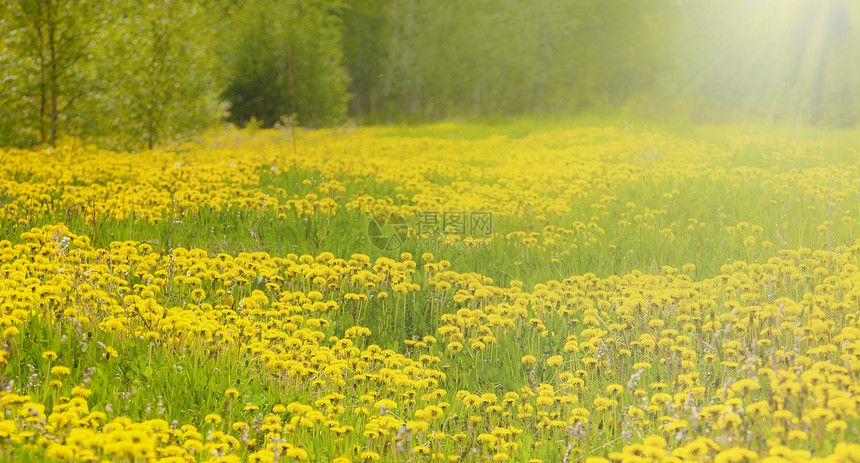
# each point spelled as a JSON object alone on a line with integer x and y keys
{"x": 429, "y": 60}
{"x": 794, "y": 60}
{"x": 160, "y": 74}
{"x": 42, "y": 51}
{"x": 286, "y": 61}
{"x": 136, "y": 74}
{"x": 129, "y": 74}
{"x": 18, "y": 126}
{"x": 365, "y": 45}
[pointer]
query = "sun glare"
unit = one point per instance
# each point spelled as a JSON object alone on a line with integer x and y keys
{"x": 764, "y": 50}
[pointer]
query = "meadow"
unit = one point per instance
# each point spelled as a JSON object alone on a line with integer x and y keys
{"x": 448, "y": 292}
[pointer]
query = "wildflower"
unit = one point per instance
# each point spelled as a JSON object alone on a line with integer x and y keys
{"x": 110, "y": 352}
{"x": 10, "y": 332}
{"x": 487, "y": 439}
{"x": 736, "y": 455}
{"x": 193, "y": 445}
{"x": 454, "y": 347}
{"x": 60, "y": 370}
{"x": 368, "y": 455}
{"x": 239, "y": 426}
{"x": 602, "y": 403}
{"x": 296, "y": 453}
{"x": 745, "y": 385}
{"x": 555, "y": 361}
{"x": 797, "y": 435}
{"x": 7, "y": 428}
{"x": 529, "y": 360}
{"x": 80, "y": 391}
{"x": 421, "y": 450}
{"x": 261, "y": 456}
{"x": 614, "y": 389}
{"x": 60, "y": 452}
{"x": 836, "y": 426}
{"x": 635, "y": 413}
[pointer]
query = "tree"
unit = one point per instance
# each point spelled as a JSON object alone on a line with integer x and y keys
{"x": 430, "y": 60}
{"x": 287, "y": 61}
{"x": 129, "y": 74}
{"x": 159, "y": 71}
{"x": 365, "y": 47}
{"x": 44, "y": 45}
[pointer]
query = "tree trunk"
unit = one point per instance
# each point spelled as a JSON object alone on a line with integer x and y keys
{"x": 38, "y": 24}
{"x": 53, "y": 49}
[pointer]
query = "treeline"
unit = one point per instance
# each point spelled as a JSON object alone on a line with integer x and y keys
{"x": 134, "y": 74}
{"x": 410, "y": 58}
{"x": 130, "y": 74}
{"x": 794, "y": 61}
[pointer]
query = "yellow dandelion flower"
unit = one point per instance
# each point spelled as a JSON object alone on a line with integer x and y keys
{"x": 110, "y": 352}
{"x": 60, "y": 370}
{"x": 10, "y": 331}
{"x": 555, "y": 361}
{"x": 614, "y": 389}
{"x": 454, "y": 347}
{"x": 368, "y": 455}
{"x": 421, "y": 450}
{"x": 836, "y": 426}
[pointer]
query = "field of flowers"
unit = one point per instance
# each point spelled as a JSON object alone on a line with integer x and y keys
{"x": 439, "y": 293}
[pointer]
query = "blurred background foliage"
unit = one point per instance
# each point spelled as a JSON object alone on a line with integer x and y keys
{"x": 135, "y": 74}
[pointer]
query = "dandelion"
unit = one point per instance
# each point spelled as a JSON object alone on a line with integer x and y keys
{"x": 555, "y": 361}
{"x": 261, "y": 456}
{"x": 10, "y": 332}
{"x": 368, "y": 455}
{"x": 60, "y": 452}
{"x": 745, "y": 385}
{"x": 110, "y": 352}
{"x": 7, "y": 428}
{"x": 487, "y": 440}
{"x": 614, "y": 389}
{"x": 421, "y": 450}
{"x": 60, "y": 370}
{"x": 836, "y": 426}
{"x": 602, "y": 403}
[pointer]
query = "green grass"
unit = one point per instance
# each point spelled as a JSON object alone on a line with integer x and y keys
{"x": 189, "y": 383}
